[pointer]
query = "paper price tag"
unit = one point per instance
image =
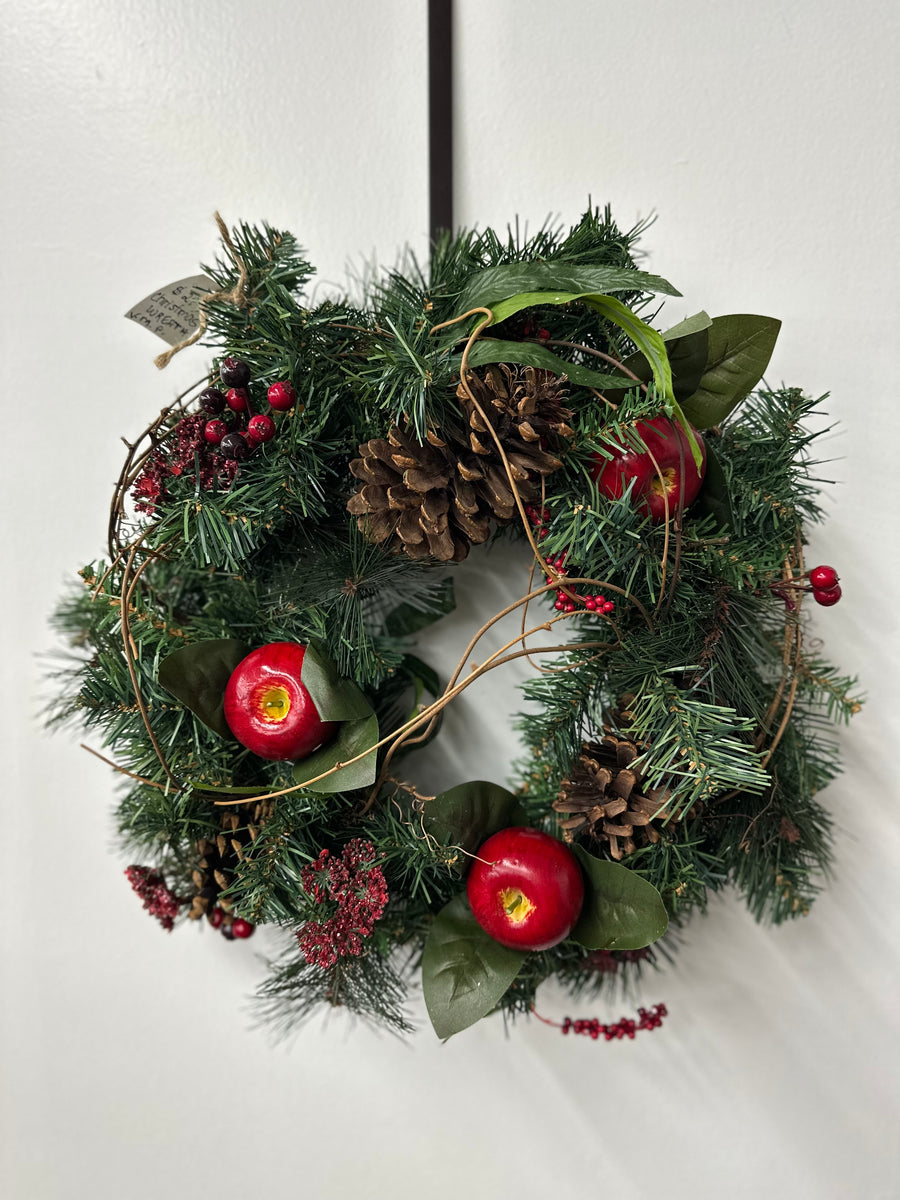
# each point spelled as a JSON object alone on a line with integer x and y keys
{"x": 173, "y": 312}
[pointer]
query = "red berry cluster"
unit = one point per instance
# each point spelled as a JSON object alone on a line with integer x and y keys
{"x": 567, "y": 599}
{"x": 826, "y": 588}
{"x": 591, "y": 1027}
{"x": 236, "y": 928}
{"x": 239, "y": 443}
{"x": 158, "y": 900}
{"x": 213, "y": 441}
{"x": 356, "y": 889}
{"x": 823, "y": 583}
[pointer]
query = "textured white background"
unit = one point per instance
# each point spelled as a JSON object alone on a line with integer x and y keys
{"x": 765, "y": 137}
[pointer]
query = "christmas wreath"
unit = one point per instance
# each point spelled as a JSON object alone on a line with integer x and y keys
{"x": 254, "y": 645}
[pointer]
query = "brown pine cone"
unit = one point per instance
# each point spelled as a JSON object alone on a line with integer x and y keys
{"x": 217, "y": 860}
{"x": 439, "y": 497}
{"x": 605, "y": 797}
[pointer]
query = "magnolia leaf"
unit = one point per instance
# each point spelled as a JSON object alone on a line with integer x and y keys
{"x": 487, "y": 288}
{"x": 464, "y": 971}
{"x": 690, "y": 325}
{"x": 198, "y": 674}
{"x": 530, "y": 354}
{"x": 407, "y": 619}
{"x": 687, "y": 346}
{"x": 621, "y": 910}
{"x": 335, "y": 699}
{"x": 469, "y": 813}
{"x": 713, "y": 499}
{"x": 740, "y": 347}
{"x": 353, "y": 737}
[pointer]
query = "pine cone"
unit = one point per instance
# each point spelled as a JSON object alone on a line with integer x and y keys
{"x": 604, "y": 797}
{"x": 439, "y": 497}
{"x": 217, "y": 861}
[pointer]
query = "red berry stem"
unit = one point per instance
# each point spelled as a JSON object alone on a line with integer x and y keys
{"x": 567, "y": 599}
{"x": 591, "y": 1027}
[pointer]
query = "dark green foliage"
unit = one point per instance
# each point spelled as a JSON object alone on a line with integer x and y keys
{"x": 695, "y": 650}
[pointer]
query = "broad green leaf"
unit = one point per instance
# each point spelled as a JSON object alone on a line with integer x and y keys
{"x": 695, "y": 324}
{"x": 740, "y": 347}
{"x": 353, "y": 737}
{"x": 406, "y": 619}
{"x": 621, "y": 910}
{"x": 335, "y": 699}
{"x": 687, "y": 346}
{"x": 529, "y": 354}
{"x": 493, "y": 284}
{"x": 464, "y": 971}
{"x": 469, "y": 813}
{"x": 713, "y": 499}
{"x": 197, "y": 675}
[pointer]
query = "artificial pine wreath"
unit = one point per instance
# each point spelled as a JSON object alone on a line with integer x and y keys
{"x": 279, "y": 535}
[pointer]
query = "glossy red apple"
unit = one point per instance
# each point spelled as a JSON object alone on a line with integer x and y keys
{"x": 525, "y": 889}
{"x": 668, "y": 443}
{"x": 269, "y": 710}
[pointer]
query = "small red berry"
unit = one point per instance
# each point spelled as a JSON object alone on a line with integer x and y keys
{"x": 823, "y": 578}
{"x": 214, "y": 431}
{"x": 827, "y": 596}
{"x": 237, "y": 399}
{"x": 260, "y": 428}
{"x": 241, "y": 928}
{"x": 590, "y": 604}
{"x": 607, "y": 606}
{"x": 281, "y": 396}
{"x": 560, "y": 605}
{"x": 569, "y": 606}
{"x": 216, "y": 917}
{"x": 544, "y": 334}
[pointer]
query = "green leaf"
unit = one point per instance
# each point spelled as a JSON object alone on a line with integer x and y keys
{"x": 529, "y": 354}
{"x": 690, "y": 325}
{"x": 621, "y": 910}
{"x": 406, "y": 619}
{"x": 687, "y": 345}
{"x": 335, "y": 699}
{"x": 197, "y": 675}
{"x": 488, "y": 287}
{"x": 713, "y": 498}
{"x": 464, "y": 971}
{"x": 353, "y": 738}
{"x": 469, "y": 813}
{"x": 740, "y": 347}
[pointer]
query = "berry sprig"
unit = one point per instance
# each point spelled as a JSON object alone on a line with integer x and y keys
{"x": 823, "y": 583}
{"x": 567, "y": 599}
{"x": 353, "y": 889}
{"x": 590, "y": 1027}
{"x": 230, "y": 927}
{"x": 158, "y": 899}
{"x": 224, "y": 433}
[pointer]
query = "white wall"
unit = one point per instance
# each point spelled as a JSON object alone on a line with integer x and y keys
{"x": 764, "y": 135}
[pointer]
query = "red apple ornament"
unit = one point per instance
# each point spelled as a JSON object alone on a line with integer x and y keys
{"x": 525, "y": 889}
{"x": 668, "y": 443}
{"x": 269, "y": 710}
